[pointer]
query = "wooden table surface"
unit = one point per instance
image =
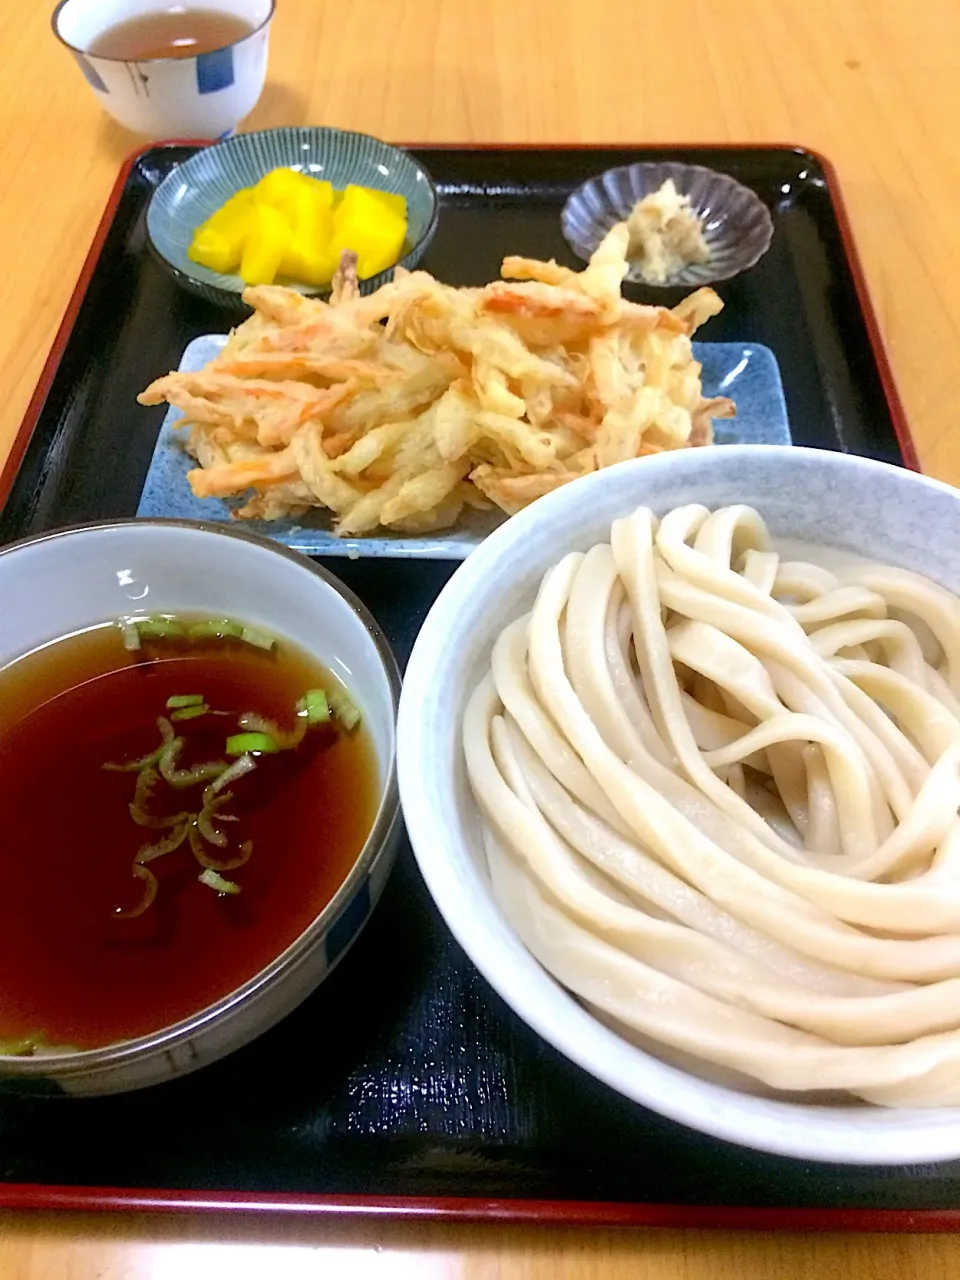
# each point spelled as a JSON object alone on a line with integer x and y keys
{"x": 874, "y": 84}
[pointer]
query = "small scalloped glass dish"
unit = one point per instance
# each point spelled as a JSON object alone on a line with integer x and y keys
{"x": 737, "y": 225}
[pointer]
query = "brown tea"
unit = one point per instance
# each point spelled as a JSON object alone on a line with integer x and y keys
{"x": 173, "y": 33}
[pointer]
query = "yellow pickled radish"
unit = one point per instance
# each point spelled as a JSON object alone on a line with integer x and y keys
{"x": 359, "y": 203}
{"x": 309, "y": 263}
{"x": 367, "y": 225}
{"x": 380, "y": 250}
{"x": 265, "y": 245}
{"x": 307, "y": 257}
{"x": 218, "y": 242}
{"x": 288, "y": 224}
{"x": 397, "y": 204}
{"x": 282, "y": 188}
{"x": 213, "y": 250}
{"x": 321, "y": 190}
{"x": 274, "y": 187}
{"x": 308, "y": 209}
{"x": 237, "y": 208}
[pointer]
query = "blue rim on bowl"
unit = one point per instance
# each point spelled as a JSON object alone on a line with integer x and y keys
{"x": 737, "y": 225}
{"x": 192, "y": 191}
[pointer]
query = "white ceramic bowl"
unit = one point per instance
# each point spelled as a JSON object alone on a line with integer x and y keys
{"x": 854, "y": 504}
{"x": 66, "y": 581}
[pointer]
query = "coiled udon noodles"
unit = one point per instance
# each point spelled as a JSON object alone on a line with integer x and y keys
{"x": 720, "y": 796}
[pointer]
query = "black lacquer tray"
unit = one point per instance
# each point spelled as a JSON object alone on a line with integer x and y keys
{"x": 404, "y": 1085}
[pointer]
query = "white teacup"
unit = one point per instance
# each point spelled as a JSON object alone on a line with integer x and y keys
{"x": 197, "y": 96}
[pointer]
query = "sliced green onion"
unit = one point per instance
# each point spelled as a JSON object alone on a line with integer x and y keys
{"x": 284, "y": 740}
{"x": 152, "y": 823}
{"x": 21, "y": 1046}
{"x": 218, "y": 882}
{"x": 205, "y": 820}
{"x": 154, "y": 627}
{"x": 239, "y": 767}
{"x": 146, "y": 783}
{"x": 185, "y": 700}
{"x": 209, "y": 832}
{"x": 216, "y": 629}
{"x": 180, "y": 778}
{"x": 167, "y": 844}
{"x": 216, "y": 803}
{"x": 343, "y": 707}
{"x": 157, "y": 627}
{"x": 167, "y": 763}
{"x": 189, "y": 713}
{"x": 149, "y": 893}
{"x": 208, "y": 861}
{"x": 134, "y": 766}
{"x": 259, "y": 639}
{"x": 199, "y": 851}
{"x": 258, "y": 724}
{"x": 241, "y": 744}
{"x": 316, "y": 705}
{"x": 131, "y": 636}
{"x": 199, "y": 773}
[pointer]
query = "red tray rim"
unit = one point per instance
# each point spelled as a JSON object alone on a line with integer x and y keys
{"x": 594, "y": 1213}
{"x": 443, "y": 1209}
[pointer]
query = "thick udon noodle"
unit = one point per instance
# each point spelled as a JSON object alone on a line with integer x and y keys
{"x": 720, "y": 797}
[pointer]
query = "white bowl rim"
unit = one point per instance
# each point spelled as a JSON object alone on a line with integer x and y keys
{"x": 796, "y": 1134}
{"x": 84, "y": 1061}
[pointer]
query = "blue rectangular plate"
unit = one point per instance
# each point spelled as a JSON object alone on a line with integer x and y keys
{"x": 746, "y": 372}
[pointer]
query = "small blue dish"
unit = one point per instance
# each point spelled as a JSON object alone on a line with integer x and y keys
{"x": 197, "y": 188}
{"x": 737, "y": 225}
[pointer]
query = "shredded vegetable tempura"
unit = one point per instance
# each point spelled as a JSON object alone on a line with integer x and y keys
{"x": 402, "y": 408}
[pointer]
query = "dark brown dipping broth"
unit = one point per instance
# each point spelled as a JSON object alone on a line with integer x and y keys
{"x": 173, "y": 33}
{"x": 71, "y": 968}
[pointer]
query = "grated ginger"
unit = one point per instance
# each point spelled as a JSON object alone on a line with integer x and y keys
{"x": 665, "y": 235}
